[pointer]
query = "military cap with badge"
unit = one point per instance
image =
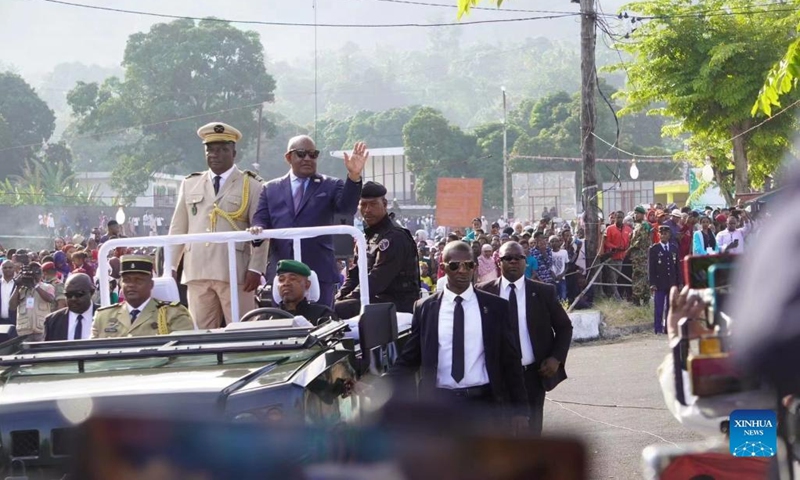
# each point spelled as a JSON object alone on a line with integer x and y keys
{"x": 218, "y": 132}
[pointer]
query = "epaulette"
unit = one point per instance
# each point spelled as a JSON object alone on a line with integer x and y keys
{"x": 162, "y": 303}
{"x": 254, "y": 175}
{"x": 194, "y": 174}
{"x": 108, "y": 307}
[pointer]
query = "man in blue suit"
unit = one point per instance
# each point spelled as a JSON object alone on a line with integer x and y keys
{"x": 305, "y": 198}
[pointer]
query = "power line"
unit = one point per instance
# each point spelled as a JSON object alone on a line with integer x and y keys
{"x": 298, "y": 24}
{"x": 662, "y": 159}
{"x": 442, "y": 5}
{"x": 120, "y": 130}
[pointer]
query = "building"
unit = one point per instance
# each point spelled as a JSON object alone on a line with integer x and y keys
{"x": 161, "y": 192}
{"x": 388, "y": 167}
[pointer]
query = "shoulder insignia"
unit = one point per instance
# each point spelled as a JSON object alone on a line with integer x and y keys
{"x": 383, "y": 245}
{"x": 254, "y": 175}
{"x": 162, "y": 303}
{"x": 193, "y": 174}
{"x": 109, "y": 307}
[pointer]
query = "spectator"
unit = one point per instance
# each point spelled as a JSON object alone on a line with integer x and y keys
{"x": 732, "y": 239}
{"x": 32, "y": 300}
{"x": 544, "y": 259}
{"x": 487, "y": 267}
{"x": 617, "y": 241}
{"x": 425, "y": 279}
{"x": 50, "y": 276}
{"x": 81, "y": 265}
{"x": 704, "y": 241}
{"x": 8, "y": 315}
{"x": 111, "y": 232}
{"x": 560, "y": 260}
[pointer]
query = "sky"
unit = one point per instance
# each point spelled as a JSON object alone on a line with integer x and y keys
{"x": 45, "y": 34}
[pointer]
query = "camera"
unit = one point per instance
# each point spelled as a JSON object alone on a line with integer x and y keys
{"x": 26, "y": 277}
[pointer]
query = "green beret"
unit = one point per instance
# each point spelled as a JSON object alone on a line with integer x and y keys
{"x": 640, "y": 209}
{"x": 293, "y": 266}
{"x": 373, "y": 190}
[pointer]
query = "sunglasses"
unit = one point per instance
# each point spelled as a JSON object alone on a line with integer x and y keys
{"x": 455, "y": 266}
{"x": 511, "y": 258}
{"x": 313, "y": 154}
{"x": 75, "y": 294}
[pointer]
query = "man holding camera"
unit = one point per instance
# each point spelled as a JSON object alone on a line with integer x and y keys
{"x": 32, "y": 300}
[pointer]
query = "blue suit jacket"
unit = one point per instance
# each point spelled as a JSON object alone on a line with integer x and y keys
{"x": 324, "y": 198}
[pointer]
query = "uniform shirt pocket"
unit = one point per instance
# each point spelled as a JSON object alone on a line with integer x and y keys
{"x": 232, "y": 202}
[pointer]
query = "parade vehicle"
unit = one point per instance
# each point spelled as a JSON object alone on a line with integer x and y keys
{"x": 266, "y": 372}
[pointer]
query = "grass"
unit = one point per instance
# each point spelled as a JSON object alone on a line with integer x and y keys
{"x": 618, "y": 313}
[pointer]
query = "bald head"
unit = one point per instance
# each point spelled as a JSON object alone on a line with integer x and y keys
{"x": 301, "y": 142}
{"x": 79, "y": 282}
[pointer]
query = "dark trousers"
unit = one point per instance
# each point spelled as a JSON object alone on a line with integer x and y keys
{"x": 661, "y": 311}
{"x": 327, "y": 290}
{"x": 536, "y": 392}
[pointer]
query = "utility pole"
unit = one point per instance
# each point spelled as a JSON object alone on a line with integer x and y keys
{"x": 588, "y": 87}
{"x": 505, "y": 158}
{"x": 258, "y": 139}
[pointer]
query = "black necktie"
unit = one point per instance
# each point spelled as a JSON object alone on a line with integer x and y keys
{"x": 512, "y": 303}
{"x": 217, "y": 179}
{"x": 134, "y": 314}
{"x": 457, "y": 370}
{"x": 78, "y": 328}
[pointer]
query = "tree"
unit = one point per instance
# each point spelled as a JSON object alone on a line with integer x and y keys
{"x": 43, "y": 183}
{"x": 707, "y": 69}
{"x": 27, "y": 122}
{"x": 178, "y": 76}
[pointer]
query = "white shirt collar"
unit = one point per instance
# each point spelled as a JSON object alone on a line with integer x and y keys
{"x": 87, "y": 315}
{"x": 466, "y": 295}
{"x": 519, "y": 284}
{"x": 6, "y": 282}
{"x": 295, "y": 178}
{"x": 140, "y": 307}
{"x": 224, "y": 175}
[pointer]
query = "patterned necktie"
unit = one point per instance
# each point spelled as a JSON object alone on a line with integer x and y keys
{"x": 217, "y": 180}
{"x": 298, "y": 194}
{"x": 134, "y": 313}
{"x": 78, "y": 328}
{"x": 457, "y": 370}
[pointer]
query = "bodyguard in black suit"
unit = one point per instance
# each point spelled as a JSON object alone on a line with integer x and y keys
{"x": 464, "y": 345}
{"x": 544, "y": 328}
{"x": 75, "y": 321}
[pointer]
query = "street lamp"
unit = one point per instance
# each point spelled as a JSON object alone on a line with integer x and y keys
{"x": 505, "y": 158}
{"x": 634, "y": 170}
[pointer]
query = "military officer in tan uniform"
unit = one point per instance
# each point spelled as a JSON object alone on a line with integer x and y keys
{"x": 139, "y": 315}
{"x": 221, "y": 199}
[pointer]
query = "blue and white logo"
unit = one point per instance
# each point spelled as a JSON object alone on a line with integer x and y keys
{"x": 753, "y": 433}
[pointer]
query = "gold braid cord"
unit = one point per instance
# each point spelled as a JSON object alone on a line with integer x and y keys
{"x": 163, "y": 329}
{"x": 232, "y": 217}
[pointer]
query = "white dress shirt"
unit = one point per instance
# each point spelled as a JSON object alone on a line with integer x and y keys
{"x": 297, "y": 182}
{"x": 6, "y": 287}
{"x": 223, "y": 176}
{"x": 474, "y": 358}
{"x": 726, "y": 237}
{"x": 86, "y": 324}
{"x": 524, "y": 336}
{"x": 140, "y": 308}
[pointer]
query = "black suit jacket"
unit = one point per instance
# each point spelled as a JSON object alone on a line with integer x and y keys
{"x": 56, "y": 324}
{"x": 501, "y": 349}
{"x": 549, "y": 325}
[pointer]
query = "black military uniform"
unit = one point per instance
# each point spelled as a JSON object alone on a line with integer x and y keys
{"x": 315, "y": 313}
{"x": 392, "y": 262}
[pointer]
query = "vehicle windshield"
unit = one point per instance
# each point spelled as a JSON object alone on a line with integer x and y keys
{"x": 177, "y": 362}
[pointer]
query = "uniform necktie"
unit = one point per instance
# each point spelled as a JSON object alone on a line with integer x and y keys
{"x": 457, "y": 371}
{"x": 134, "y": 314}
{"x": 512, "y": 303}
{"x": 78, "y": 328}
{"x": 298, "y": 194}
{"x": 217, "y": 179}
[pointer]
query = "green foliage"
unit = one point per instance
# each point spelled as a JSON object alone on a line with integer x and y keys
{"x": 43, "y": 183}
{"x": 464, "y": 6}
{"x": 781, "y": 79}
{"x": 181, "y": 69}
{"x": 704, "y": 71}
{"x": 26, "y": 122}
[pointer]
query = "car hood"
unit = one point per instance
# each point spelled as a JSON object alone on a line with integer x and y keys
{"x": 134, "y": 378}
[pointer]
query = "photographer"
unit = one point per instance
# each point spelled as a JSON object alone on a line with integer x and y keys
{"x": 32, "y": 300}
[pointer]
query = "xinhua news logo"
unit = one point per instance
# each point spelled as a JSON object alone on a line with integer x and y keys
{"x": 753, "y": 433}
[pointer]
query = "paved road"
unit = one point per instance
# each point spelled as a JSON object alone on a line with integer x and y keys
{"x": 624, "y": 374}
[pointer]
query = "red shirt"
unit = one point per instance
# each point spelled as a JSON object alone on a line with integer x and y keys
{"x": 618, "y": 239}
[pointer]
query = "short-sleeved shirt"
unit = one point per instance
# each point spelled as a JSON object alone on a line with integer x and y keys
{"x": 619, "y": 239}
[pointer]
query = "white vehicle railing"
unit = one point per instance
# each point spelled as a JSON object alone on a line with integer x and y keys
{"x": 231, "y": 238}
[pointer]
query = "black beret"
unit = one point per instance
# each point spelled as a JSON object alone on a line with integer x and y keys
{"x": 373, "y": 190}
